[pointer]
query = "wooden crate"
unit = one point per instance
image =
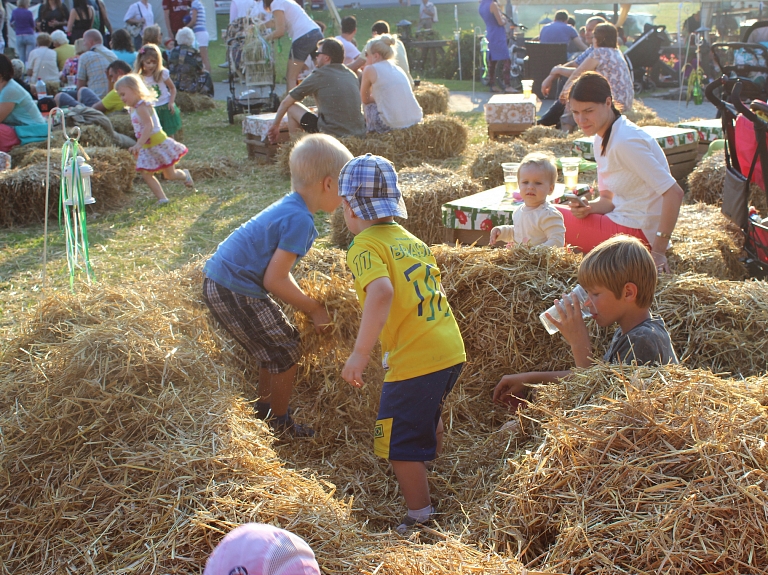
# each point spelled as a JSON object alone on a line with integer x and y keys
{"x": 467, "y": 237}
{"x": 496, "y": 130}
{"x": 682, "y": 160}
{"x": 262, "y": 151}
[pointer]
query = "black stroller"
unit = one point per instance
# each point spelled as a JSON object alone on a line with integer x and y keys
{"x": 745, "y": 63}
{"x": 737, "y": 121}
{"x": 643, "y": 55}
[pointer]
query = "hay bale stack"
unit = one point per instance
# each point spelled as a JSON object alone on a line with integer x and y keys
{"x": 705, "y": 184}
{"x": 122, "y": 124}
{"x": 437, "y": 137}
{"x": 644, "y": 471}
{"x": 141, "y": 465}
{"x": 642, "y": 115}
{"x": 91, "y": 136}
{"x": 535, "y": 133}
{"x": 22, "y": 190}
{"x": 706, "y": 242}
{"x": 189, "y": 102}
{"x": 433, "y": 98}
{"x": 425, "y": 189}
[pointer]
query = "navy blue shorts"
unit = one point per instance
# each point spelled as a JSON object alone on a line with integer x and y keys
{"x": 304, "y": 45}
{"x": 408, "y": 414}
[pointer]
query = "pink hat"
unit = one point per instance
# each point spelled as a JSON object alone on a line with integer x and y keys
{"x": 260, "y": 549}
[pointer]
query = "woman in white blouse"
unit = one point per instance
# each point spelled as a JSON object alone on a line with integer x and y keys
{"x": 385, "y": 90}
{"x": 638, "y": 195}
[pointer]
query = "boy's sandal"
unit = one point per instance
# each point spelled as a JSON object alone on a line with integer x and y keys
{"x": 188, "y": 181}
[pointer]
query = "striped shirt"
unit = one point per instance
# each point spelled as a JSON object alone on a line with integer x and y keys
{"x": 200, "y": 22}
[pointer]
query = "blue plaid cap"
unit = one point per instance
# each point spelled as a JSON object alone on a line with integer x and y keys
{"x": 369, "y": 183}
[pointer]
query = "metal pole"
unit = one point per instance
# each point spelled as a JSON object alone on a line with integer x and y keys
{"x": 457, "y": 35}
{"x": 474, "y": 59}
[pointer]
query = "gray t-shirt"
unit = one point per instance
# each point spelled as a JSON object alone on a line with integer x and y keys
{"x": 647, "y": 342}
{"x": 337, "y": 92}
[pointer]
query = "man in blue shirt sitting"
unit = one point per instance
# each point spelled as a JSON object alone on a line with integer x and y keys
{"x": 560, "y": 32}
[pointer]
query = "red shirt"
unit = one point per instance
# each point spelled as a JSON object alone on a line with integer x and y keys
{"x": 177, "y": 9}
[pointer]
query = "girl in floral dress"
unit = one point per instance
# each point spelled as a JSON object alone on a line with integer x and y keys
{"x": 154, "y": 150}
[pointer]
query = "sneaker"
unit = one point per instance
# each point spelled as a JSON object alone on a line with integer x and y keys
{"x": 286, "y": 426}
{"x": 188, "y": 181}
{"x": 409, "y": 522}
{"x": 163, "y": 202}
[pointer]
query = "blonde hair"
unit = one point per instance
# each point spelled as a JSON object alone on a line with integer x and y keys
{"x": 383, "y": 46}
{"x": 543, "y": 161}
{"x": 315, "y": 157}
{"x": 149, "y": 51}
{"x": 136, "y": 83}
{"x": 23, "y": 4}
{"x": 43, "y": 39}
{"x": 80, "y": 46}
{"x": 152, "y": 35}
{"x": 618, "y": 261}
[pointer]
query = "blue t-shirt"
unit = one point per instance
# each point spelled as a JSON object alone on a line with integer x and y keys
{"x": 557, "y": 33}
{"x": 584, "y": 55}
{"x": 241, "y": 260}
{"x": 200, "y": 22}
{"x": 25, "y": 111}
{"x": 125, "y": 56}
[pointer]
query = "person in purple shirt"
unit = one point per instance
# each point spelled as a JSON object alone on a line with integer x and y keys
{"x": 23, "y": 23}
{"x": 560, "y": 32}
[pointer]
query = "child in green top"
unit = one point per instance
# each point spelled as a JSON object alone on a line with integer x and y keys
{"x": 398, "y": 284}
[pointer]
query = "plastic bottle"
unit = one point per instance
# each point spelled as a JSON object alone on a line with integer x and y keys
{"x": 581, "y": 294}
{"x": 40, "y": 89}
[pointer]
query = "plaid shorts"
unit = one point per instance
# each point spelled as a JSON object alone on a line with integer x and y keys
{"x": 259, "y": 325}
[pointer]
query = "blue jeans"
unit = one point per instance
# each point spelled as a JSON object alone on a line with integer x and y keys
{"x": 25, "y": 43}
{"x": 86, "y": 95}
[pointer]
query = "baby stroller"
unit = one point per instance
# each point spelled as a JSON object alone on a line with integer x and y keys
{"x": 746, "y": 152}
{"x": 251, "y": 68}
{"x": 643, "y": 55}
{"x": 744, "y": 63}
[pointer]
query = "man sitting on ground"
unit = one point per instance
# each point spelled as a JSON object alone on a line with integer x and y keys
{"x": 110, "y": 103}
{"x": 560, "y": 32}
{"x": 347, "y": 39}
{"x": 401, "y": 56}
{"x": 92, "y": 65}
{"x": 336, "y": 91}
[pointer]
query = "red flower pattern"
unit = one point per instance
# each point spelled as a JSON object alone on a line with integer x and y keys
{"x": 461, "y": 216}
{"x": 486, "y": 225}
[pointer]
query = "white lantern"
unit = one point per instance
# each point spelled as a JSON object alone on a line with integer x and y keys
{"x": 86, "y": 172}
{"x": 71, "y": 183}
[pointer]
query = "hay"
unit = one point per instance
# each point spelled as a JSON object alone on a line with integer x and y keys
{"x": 645, "y": 471}
{"x": 437, "y": 137}
{"x": 535, "y": 133}
{"x": 642, "y": 115}
{"x": 122, "y": 124}
{"x": 219, "y": 167}
{"x": 189, "y": 102}
{"x": 433, "y": 98}
{"x": 91, "y": 136}
{"x": 425, "y": 189}
{"x": 22, "y": 189}
{"x": 706, "y": 242}
{"x": 705, "y": 184}
{"x": 127, "y": 445}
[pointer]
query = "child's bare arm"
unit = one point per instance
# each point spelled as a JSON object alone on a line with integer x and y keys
{"x": 378, "y": 300}
{"x": 573, "y": 329}
{"x": 172, "y": 91}
{"x": 279, "y": 281}
{"x": 515, "y": 384}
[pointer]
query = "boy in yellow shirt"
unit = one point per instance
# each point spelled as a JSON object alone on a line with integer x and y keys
{"x": 398, "y": 284}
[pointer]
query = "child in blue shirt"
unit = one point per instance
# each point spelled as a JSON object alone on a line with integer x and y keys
{"x": 254, "y": 263}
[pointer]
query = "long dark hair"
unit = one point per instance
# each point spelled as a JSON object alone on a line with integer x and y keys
{"x": 594, "y": 87}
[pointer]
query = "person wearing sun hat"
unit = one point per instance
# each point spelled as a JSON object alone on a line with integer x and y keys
{"x": 260, "y": 549}
{"x": 398, "y": 284}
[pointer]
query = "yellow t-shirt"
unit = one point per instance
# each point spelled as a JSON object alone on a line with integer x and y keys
{"x": 112, "y": 102}
{"x": 421, "y": 335}
{"x": 63, "y": 53}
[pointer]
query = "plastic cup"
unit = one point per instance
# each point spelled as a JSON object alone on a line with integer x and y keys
{"x": 570, "y": 172}
{"x": 510, "y": 178}
{"x": 581, "y": 294}
{"x": 527, "y": 88}
{"x": 71, "y": 80}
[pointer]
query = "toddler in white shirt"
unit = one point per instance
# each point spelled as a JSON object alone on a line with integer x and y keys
{"x": 537, "y": 222}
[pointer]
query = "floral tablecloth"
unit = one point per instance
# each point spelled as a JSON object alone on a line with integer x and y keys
{"x": 258, "y": 124}
{"x": 709, "y": 130}
{"x": 511, "y": 109}
{"x": 487, "y": 209}
{"x": 668, "y": 138}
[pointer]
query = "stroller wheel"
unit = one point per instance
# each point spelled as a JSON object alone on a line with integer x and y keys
{"x": 231, "y": 110}
{"x": 275, "y": 102}
{"x": 638, "y": 86}
{"x": 649, "y": 85}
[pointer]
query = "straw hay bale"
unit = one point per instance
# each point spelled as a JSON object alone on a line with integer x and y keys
{"x": 642, "y": 115}
{"x": 437, "y": 137}
{"x": 705, "y": 184}
{"x": 122, "y": 124}
{"x": 91, "y": 135}
{"x": 189, "y": 102}
{"x": 433, "y": 98}
{"x": 218, "y": 167}
{"x": 535, "y": 133}
{"x": 638, "y": 471}
{"x": 425, "y": 189}
{"x": 22, "y": 189}
{"x": 706, "y": 242}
